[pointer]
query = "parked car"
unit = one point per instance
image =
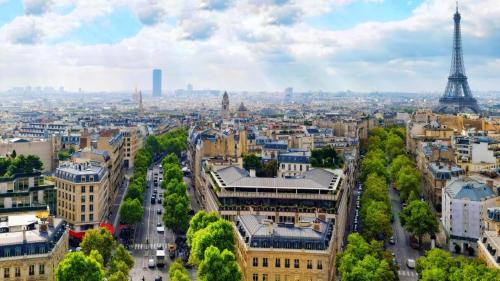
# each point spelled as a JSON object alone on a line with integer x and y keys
{"x": 392, "y": 241}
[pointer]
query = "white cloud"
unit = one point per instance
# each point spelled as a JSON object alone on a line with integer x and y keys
{"x": 263, "y": 44}
{"x": 36, "y": 7}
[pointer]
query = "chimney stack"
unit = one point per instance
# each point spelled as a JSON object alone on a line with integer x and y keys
{"x": 252, "y": 173}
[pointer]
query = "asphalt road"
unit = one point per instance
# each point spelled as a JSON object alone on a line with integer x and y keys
{"x": 402, "y": 247}
{"x": 147, "y": 238}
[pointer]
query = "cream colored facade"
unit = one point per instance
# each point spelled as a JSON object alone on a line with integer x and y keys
{"x": 39, "y": 266}
{"x": 133, "y": 141}
{"x": 82, "y": 195}
{"x": 281, "y": 264}
{"x": 112, "y": 141}
{"x": 41, "y": 148}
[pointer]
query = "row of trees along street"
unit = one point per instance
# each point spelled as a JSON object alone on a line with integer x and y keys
{"x": 132, "y": 211}
{"x": 99, "y": 258}
{"x": 386, "y": 163}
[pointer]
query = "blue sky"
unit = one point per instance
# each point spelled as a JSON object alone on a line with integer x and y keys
{"x": 329, "y": 45}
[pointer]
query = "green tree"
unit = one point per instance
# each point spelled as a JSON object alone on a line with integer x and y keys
{"x": 100, "y": 240}
{"x": 270, "y": 169}
{"x": 135, "y": 191}
{"x": 394, "y": 146}
{"x": 171, "y": 172}
{"x": 364, "y": 261}
{"x": 152, "y": 145}
{"x": 413, "y": 196}
{"x": 63, "y": 155}
{"x": 77, "y": 267}
{"x": 118, "y": 276}
{"x": 219, "y": 234}
{"x": 177, "y": 271}
{"x": 375, "y": 190}
{"x": 170, "y": 159}
{"x": 397, "y": 164}
{"x": 252, "y": 161}
{"x": 377, "y": 221}
{"x": 418, "y": 219}
{"x": 219, "y": 266}
{"x": 121, "y": 254}
{"x": 176, "y": 216}
{"x": 326, "y": 157}
{"x": 199, "y": 221}
{"x": 131, "y": 211}
{"x": 408, "y": 180}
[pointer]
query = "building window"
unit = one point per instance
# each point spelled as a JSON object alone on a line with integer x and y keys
{"x": 91, "y": 207}
{"x": 83, "y": 208}
{"x": 41, "y": 269}
{"x": 264, "y": 262}
{"x": 6, "y": 273}
{"x": 296, "y": 263}
{"x": 91, "y": 198}
{"x": 83, "y": 189}
{"x": 255, "y": 277}
{"x": 264, "y": 277}
{"x": 17, "y": 272}
{"x": 91, "y": 188}
{"x": 320, "y": 265}
{"x": 83, "y": 218}
{"x": 31, "y": 270}
{"x": 309, "y": 264}
{"x": 255, "y": 262}
{"x": 82, "y": 199}
{"x": 277, "y": 263}
{"x": 287, "y": 263}
{"x": 91, "y": 217}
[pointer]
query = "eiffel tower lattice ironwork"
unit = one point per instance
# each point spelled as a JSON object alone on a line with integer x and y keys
{"x": 457, "y": 97}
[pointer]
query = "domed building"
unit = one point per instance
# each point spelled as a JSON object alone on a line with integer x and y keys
{"x": 242, "y": 111}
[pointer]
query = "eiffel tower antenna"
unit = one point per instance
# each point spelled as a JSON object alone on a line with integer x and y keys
{"x": 457, "y": 96}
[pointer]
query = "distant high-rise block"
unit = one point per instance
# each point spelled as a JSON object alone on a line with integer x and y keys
{"x": 157, "y": 83}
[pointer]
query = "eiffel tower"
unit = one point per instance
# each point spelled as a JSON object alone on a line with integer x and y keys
{"x": 457, "y": 97}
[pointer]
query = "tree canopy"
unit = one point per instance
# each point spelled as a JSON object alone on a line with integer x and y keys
{"x": 418, "y": 219}
{"x": 77, "y": 267}
{"x": 326, "y": 157}
{"x": 100, "y": 240}
{"x": 19, "y": 164}
{"x": 439, "y": 265}
{"x": 131, "y": 211}
{"x": 219, "y": 266}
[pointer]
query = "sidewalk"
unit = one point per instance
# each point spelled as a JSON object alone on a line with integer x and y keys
{"x": 113, "y": 218}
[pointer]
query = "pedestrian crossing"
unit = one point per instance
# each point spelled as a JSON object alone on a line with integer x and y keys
{"x": 143, "y": 246}
{"x": 408, "y": 273}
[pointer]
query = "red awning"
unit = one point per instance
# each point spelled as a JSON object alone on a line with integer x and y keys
{"x": 108, "y": 226}
{"x": 76, "y": 234}
{"x": 81, "y": 234}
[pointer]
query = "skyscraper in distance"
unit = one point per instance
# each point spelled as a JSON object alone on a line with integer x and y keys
{"x": 157, "y": 82}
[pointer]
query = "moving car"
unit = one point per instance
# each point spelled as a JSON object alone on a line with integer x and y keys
{"x": 410, "y": 263}
{"x": 158, "y": 211}
{"x": 151, "y": 263}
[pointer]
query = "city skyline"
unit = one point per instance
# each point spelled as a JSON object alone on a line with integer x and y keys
{"x": 262, "y": 44}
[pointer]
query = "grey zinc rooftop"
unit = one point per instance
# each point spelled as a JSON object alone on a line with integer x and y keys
{"x": 313, "y": 179}
{"x": 470, "y": 189}
{"x": 256, "y": 226}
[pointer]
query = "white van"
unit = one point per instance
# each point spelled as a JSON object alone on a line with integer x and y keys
{"x": 410, "y": 263}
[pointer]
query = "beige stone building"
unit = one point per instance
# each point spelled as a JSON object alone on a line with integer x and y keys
{"x": 113, "y": 142}
{"x": 489, "y": 244}
{"x": 41, "y": 148}
{"x": 134, "y": 140}
{"x": 268, "y": 251}
{"x": 31, "y": 247}
{"x": 83, "y": 191}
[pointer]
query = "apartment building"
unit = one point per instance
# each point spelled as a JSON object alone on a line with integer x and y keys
{"x": 293, "y": 163}
{"x": 27, "y": 192}
{"x": 134, "y": 140}
{"x": 113, "y": 141}
{"x": 269, "y": 251}
{"x": 83, "y": 192}
{"x": 436, "y": 176}
{"x": 489, "y": 244}
{"x": 31, "y": 247}
{"x": 465, "y": 204}
{"x": 43, "y": 148}
{"x": 476, "y": 153}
